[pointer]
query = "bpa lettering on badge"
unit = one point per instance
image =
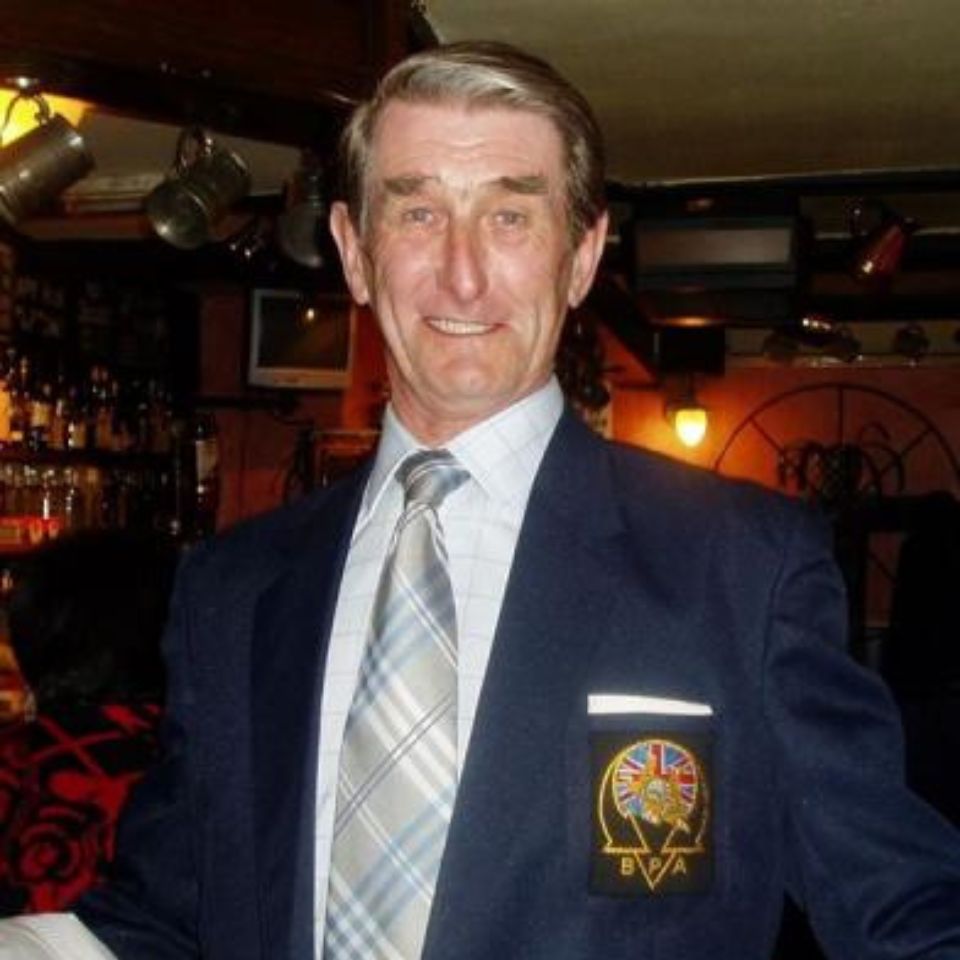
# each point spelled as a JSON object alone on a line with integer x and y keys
{"x": 651, "y": 775}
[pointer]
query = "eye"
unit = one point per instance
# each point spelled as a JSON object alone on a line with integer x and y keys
{"x": 421, "y": 216}
{"x": 510, "y": 219}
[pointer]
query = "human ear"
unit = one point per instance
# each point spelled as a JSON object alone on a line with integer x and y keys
{"x": 586, "y": 258}
{"x": 351, "y": 252}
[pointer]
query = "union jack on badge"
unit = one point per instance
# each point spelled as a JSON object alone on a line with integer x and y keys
{"x": 652, "y": 813}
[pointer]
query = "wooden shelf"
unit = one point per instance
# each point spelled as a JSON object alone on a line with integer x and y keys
{"x": 131, "y": 460}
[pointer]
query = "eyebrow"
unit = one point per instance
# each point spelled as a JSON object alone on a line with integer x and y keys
{"x": 533, "y": 184}
{"x": 405, "y": 186}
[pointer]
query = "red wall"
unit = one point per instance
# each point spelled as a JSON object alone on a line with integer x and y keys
{"x": 911, "y": 412}
{"x": 875, "y": 400}
{"x": 256, "y": 446}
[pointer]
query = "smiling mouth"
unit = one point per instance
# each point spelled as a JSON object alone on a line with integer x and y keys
{"x": 459, "y": 328}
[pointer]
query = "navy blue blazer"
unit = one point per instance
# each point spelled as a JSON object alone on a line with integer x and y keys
{"x": 633, "y": 575}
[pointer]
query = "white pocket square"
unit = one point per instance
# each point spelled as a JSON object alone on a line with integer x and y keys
{"x": 609, "y": 703}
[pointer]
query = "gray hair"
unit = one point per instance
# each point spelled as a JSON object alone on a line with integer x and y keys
{"x": 484, "y": 74}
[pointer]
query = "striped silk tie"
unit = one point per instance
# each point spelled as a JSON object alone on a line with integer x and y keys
{"x": 398, "y": 766}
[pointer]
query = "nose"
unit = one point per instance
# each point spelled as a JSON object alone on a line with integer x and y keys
{"x": 463, "y": 271}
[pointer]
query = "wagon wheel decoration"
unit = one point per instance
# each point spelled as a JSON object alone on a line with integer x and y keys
{"x": 870, "y": 444}
{"x": 863, "y": 448}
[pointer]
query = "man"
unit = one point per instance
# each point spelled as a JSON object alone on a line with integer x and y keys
{"x": 657, "y": 729}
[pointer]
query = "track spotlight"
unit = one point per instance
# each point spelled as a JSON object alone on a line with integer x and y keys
{"x": 817, "y": 329}
{"x": 882, "y": 244}
{"x": 832, "y": 340}
{"x": 843, "y": 346}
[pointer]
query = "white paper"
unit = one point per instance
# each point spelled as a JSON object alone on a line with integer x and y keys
{"x": 611, "y": 703}
{"x": 49, "y": 936}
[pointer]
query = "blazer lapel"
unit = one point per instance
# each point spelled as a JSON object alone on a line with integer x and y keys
{"x": 556, "y": 604}
{"x": 291, "y": 631}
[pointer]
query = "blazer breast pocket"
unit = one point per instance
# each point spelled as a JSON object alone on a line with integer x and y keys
{"x": 651, "y": 816}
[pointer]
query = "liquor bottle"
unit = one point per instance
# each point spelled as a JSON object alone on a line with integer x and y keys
{"x": 177, "y": 521}
{"x": 5, "y": 402}
{"x": 50, "y": 492}
{"x": 77, "y": 421}
{"x": 102, "y": 409}
{"x": 122, "y": 435}
{"x": 60, "y": 415}
{"x": 57, "y": 437}
{"x": 91, "y": 485}
{"x": 161, "y": 417}
{"x": 138, "y": 416}
{"x": 107, "y": 506}
{"x": 19, "y": 385}
{"x": 40, "y": 416}
{"x": 74, "y": 510}
{"x": 206, "y": 475}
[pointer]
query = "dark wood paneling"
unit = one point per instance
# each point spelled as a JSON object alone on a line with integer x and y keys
{"x": 285, "y": 69}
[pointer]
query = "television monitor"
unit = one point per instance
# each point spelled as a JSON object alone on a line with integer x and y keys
{"x": 300, "y": 341}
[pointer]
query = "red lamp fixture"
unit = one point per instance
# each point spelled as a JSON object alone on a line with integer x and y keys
{"x": 881, "y": 245}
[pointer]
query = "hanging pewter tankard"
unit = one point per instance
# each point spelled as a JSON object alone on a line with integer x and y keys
{"x": 37, "y": 167}
{"x": 301, "y": 226}
{"x": 207, "y": 179}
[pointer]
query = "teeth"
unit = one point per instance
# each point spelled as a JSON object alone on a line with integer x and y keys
{"x": 459, "y": 328}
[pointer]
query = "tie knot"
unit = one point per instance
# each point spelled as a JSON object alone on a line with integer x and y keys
{"x": 429, "y": 475}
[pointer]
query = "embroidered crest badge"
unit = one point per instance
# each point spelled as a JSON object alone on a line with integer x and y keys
{"x": 651, "y": 829}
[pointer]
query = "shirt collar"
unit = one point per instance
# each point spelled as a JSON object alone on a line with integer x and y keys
{"x": 502, "y": 453}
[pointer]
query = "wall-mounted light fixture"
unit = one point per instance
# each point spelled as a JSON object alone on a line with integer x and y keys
{"x": 690, "y": 424}
{"x": 36, "y": 167}
{"x": 207, "y": 179}
{"x": 687, "y": 416}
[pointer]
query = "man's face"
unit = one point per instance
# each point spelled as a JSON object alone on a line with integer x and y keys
{"x": 467, "y": 261}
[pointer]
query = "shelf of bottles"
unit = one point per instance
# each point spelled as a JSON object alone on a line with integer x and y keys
{"x": 82, "y": 452}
